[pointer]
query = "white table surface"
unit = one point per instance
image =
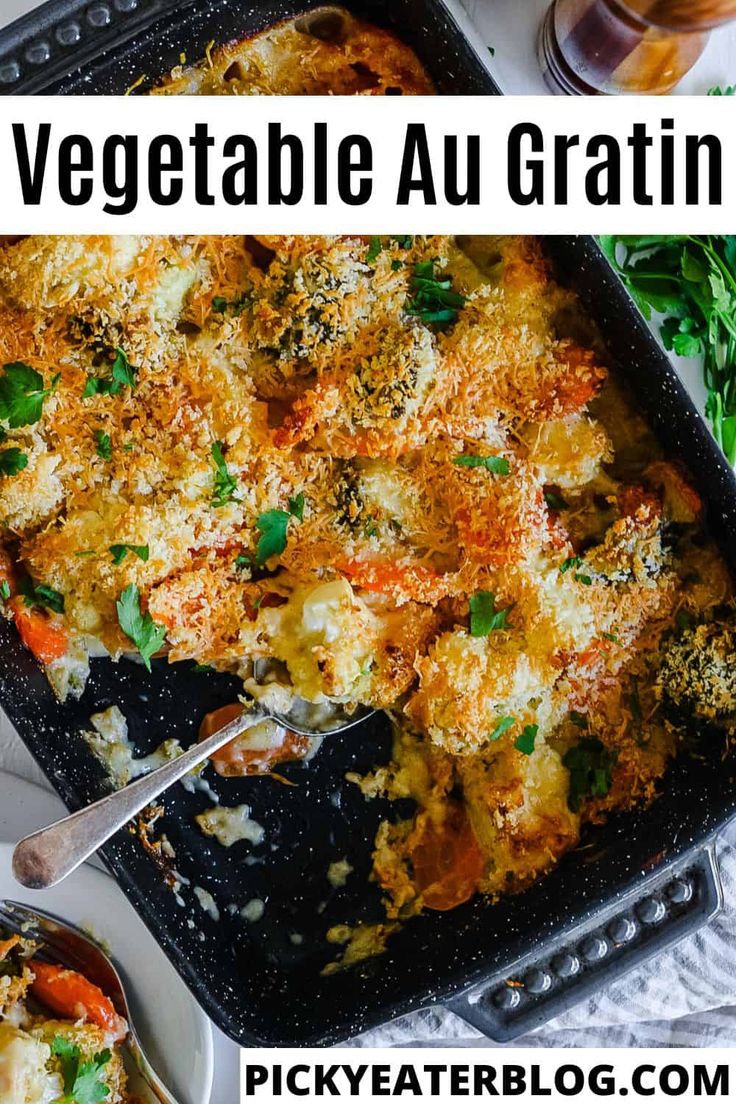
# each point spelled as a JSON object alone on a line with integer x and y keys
{"x": 510, "y": 27}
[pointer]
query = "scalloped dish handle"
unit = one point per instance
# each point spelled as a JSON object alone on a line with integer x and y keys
{"x": 660, "y": 912}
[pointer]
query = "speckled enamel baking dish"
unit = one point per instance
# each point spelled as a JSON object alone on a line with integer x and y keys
{"x": 639, "y": 883}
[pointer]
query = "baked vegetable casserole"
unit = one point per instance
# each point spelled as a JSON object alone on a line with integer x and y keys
{"x": 397, "y": 469}
{"x": 59, "y": 1034}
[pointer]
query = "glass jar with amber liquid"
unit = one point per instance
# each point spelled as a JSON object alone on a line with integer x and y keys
{"x": 612, "y": 47}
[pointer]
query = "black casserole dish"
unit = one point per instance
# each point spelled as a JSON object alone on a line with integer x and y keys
{"x": 256, "y": 981}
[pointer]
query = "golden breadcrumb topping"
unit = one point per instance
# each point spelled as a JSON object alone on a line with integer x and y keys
{"x": 396, "y": 468}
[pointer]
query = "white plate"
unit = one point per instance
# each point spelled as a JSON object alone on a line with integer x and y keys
{"x": 175, "y": 1032}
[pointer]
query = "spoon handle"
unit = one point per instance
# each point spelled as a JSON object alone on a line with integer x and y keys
{"x": 46, "y": 857}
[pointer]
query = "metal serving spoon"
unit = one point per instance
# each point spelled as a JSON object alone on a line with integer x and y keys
{"x": 46, "y": 857}
{"x": 67, "y": 946}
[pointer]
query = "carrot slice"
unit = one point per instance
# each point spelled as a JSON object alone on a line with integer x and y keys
{"x": 71, "y": 995}
{"x": 446, "y": 858}
{"x": 237, "y": 759}
{"x": 47, "y": 639}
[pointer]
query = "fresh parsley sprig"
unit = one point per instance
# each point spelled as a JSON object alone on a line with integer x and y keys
{"x": 590, "y": 764}
{"x": 525, "y": 743}
{"x": 82, "y": 1083}
{"x": 484, "y": 617}
{"x": 41, "y": 596}
{"x": 140, "y": 628}
{"x": 498, "y": 465}
{"x": 120, "y": 551}
{"x": 273, "y": 525}
{"x": 504, "y": 724}
{"x": 22, "y": 394}
{"x": 122, "y": 374}
{"x": 433, "y": 299}
{"x": 103, "y": 447}
{"x": 12, "y": 461}
{"x": 691, "y": 279}
{"x": 226, "y": 483}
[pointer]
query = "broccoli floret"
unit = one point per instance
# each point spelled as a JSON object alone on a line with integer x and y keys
{"x": 697, "y": 675}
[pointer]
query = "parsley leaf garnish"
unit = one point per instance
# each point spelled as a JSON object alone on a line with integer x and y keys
{"x": 499, "y": 465}
{"x": 571, "y": 561}
{"x": 120, "y": 551}
{"x": 273, "y": 526}
{"x": 590, "y": 764}
{"x": 433, "y": 299}
{"x": 104, "y": 444}
{"x": 691, "y": 279}
{"x": 525, "y": 742}
{"x": 484, "y": 617}
{"x": 82, "y": 1084}
{"x": 555, "y": 501}
{"x": 220, "y": 304}
{"x": 42, "y": 596}
{"x": 122, "y": 374}
{"x": 12, "y": 461}
{"x": 504, "y": 724}
{"x": 22, "y": 394}
{"x": 373, "y": 250}
{"x": 140, "y": 628}
{"x": 296, "y": 506}
{"x": 225, "y": 483}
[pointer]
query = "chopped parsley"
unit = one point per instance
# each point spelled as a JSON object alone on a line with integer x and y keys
{"x": 220, "y": 304}
{"x": 12, "y": 461}
{"x": 433, "y": 299}
{"x": 104, "y": 444}
{"x": 22, "y": 394}
{"x": 484, "y": 617}
{"x": 273, "y": 526}
{"x": 4, "y": 590}
{"x": 41, "y": 596}
{"x": 590, "y": 764}
{"x": 504, "y": 724}
{"x": 584, "y": 579}
{"x": 570, "y": 562}
{"x": 612, "y": 637}
{"x": 120, "y": 551}
{"x": 242, "y": 561}
{"x": 374, "y": 250}
{"x": 122, "y": 374}
{"x": 525, "y": 742}
{"x": 498, "y": 465}
{"x": 296, "y": 506}
{"x": 82, "y": 1082}
{"x": 140, "y": 628}
{"x": 225, "y": 483}
{"x": 555, "y": 501}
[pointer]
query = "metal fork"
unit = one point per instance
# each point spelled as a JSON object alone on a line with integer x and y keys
{"x": 67, "y": 946}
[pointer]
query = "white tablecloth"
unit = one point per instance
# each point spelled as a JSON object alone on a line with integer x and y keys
{"x": 681, "y": 982}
